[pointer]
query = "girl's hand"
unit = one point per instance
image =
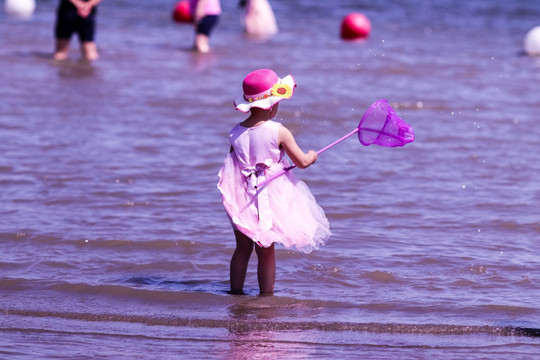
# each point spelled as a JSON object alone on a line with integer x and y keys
{"x": 312, "y": 154}
{"x": 83, "y": 10}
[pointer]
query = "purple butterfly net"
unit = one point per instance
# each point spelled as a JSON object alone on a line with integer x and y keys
{"x": 381, "y": 126}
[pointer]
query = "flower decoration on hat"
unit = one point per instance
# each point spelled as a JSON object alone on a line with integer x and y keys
{"x": 281, "y": 90}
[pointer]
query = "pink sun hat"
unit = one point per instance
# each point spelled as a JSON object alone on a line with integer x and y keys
{"x": 263, "y": 89}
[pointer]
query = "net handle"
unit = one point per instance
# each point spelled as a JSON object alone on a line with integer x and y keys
{"x": 278, "y": 174}
{"x": 339, "y": 140}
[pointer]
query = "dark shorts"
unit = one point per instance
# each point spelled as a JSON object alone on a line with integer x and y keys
{"x": 68, "y": 22}
{"x": 207, "y": 24}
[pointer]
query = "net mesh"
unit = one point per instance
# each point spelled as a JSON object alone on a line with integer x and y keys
{"x": 381, "y": 126}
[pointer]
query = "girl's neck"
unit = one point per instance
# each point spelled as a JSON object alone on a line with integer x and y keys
{"x": 257, "y": 118}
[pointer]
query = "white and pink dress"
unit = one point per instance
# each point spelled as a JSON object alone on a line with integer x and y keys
{"x": 284, "y": 211}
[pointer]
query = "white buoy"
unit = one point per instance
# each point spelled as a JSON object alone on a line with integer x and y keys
{"x": 532, "y": 41}
{"x": 20, "y": 8}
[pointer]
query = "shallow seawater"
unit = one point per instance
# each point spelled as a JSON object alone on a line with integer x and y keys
{"x": 113, "y": 238}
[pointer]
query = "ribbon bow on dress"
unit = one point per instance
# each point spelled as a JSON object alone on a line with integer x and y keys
{"x": 255, "y": 175}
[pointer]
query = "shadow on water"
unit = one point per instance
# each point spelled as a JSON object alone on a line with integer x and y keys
{"x": 41, "y": 55}
{"x": 201, "y": 286}
{"x": 69, "y": 68}
{"x": 77, "y": 69}
{"x": 195, "y": 286}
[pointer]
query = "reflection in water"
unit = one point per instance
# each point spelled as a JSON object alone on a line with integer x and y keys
{"x": 254, "y": 334}
{"x": 201, "y": 62}
{"x": 80, "y": 68}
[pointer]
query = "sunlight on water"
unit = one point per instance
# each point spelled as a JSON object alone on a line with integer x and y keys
{"x": 113, "y": 231}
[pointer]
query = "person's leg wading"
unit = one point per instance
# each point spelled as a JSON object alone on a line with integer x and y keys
{"x": 240, "y": 261}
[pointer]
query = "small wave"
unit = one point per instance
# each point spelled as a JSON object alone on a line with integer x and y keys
{"x": 152, "y": 289}
{"x": 239, "y": 325}
{"x": 99, "y": 243}
{"x": 382, "y": 276}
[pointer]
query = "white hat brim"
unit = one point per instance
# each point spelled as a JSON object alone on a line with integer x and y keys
{"x": 245, "y": 106}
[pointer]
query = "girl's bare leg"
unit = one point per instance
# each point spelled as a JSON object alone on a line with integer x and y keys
{"x": 89, "y": 50}
{"x": 239, "y": 261}
{"x": 266, "y": 270}
{"x": 61, "y": 51}
{"x": 202, "y": 43}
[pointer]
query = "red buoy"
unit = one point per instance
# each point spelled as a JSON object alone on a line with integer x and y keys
{"x": 355, "y": 26}
{"x": 182, "y": 13}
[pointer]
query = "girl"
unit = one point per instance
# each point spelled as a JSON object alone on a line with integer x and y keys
{"x": 283, "y": 211}
{"x": 76, "y": 16}
{"x": 206, "y": 15}
{"x": 258, "y": 20}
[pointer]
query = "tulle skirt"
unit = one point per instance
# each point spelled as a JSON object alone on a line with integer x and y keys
{"x": 296, "y": 219}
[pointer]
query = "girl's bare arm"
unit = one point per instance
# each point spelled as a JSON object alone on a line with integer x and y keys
{"x": 300, "y": 159}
